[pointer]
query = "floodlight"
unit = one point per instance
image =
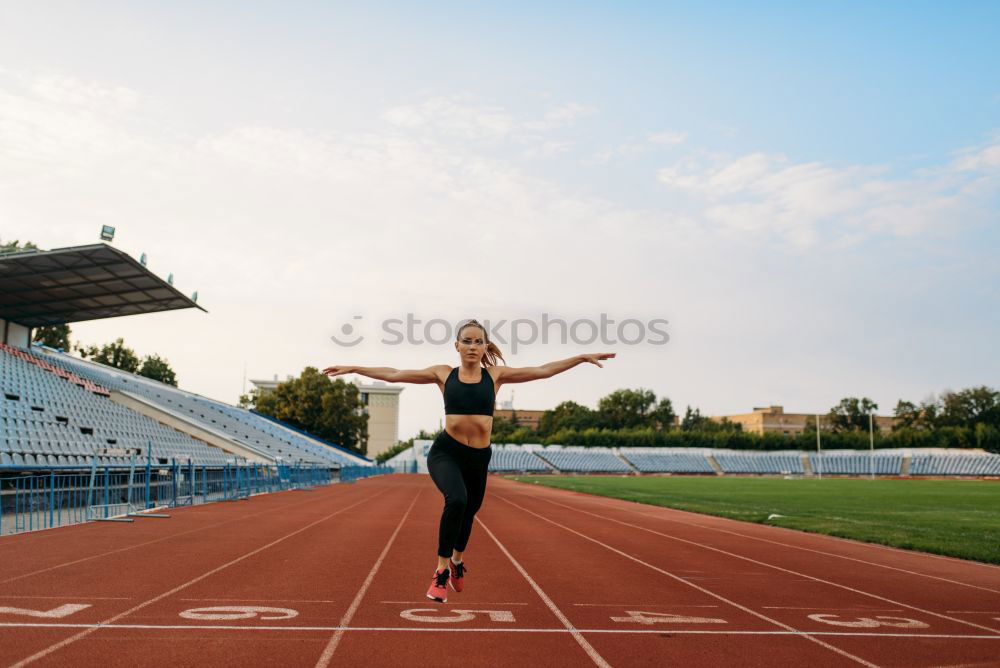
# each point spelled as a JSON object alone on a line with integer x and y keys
{"x": 107, "y": 233}
{"x": 170, "y": 279}
{"x": 194, "y": 296}
{"x": 142, "y": 259}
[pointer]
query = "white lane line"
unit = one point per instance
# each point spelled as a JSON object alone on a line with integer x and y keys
{"x": 149, "y": 542}
{"x": 77, "y": 596}
{"x": 973, "y": 612}
{"x": 331, "y": 645}
{"x": 823, "y": 552}
{"x": 495, "y": 629}
{"x": 587, "y": 647}
{"x": 464, "y": 602}
{"x": 825, "y": 609}
{"x": 808, "y": 636}
{"x": 779, "y": 568}
{"x": 256, "y": 600}
{"x": 645, "y": 605}
{"x": 63, "y": 643}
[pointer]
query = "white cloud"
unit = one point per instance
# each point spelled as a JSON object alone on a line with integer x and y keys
{"x": 669, "y": 138}
{"x": 804, "y": 203}
{"x": 457, "y": 116}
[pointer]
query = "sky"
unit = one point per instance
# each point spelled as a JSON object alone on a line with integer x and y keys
{"x": 807, "y": 193}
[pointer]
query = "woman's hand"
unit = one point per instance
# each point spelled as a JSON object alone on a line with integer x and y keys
{"x": 340, "y": 370}
{"x": 593, "y": 357}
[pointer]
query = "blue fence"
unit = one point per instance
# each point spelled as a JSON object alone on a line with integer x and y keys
{"x": 43, "y": 500}
{"x": 352, "y": 473}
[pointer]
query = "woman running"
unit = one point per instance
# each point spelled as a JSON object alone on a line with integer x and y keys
{"x": 460, "y": 456}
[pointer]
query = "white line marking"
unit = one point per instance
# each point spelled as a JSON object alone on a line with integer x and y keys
{"x": 259, "y": 600}
{"x": 648, "y": 605}
{"x": 63, "y": 643}
{"x": 823, "y": 552}
{"x": 331, "y": 646}
{"x": 779, "y": 568}
{"x": 64, "y": 597}
{"x": 807, "y": 636}
{"x": 465, "y": 602}
{"x": 823, "y": 607}
{"x": 973, "y": 612}
{"x": 648, "y": 618}
{"x": 419, "y": 629}
{"x": 591, "y": 652}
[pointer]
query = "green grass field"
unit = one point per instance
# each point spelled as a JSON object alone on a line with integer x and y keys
{"x": 952, "y": 517}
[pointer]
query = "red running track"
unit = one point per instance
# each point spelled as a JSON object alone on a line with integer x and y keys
{"x": 337, "y": 576}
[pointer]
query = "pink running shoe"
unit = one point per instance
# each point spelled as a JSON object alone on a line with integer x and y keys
{"x": 457, "y": 576}
{"x": 439, "y": 587}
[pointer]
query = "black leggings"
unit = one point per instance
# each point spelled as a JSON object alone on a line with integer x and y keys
{"x": 459, "y": 471}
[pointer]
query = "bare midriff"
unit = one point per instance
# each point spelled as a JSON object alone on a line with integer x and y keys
{"x": 472, "y": 430}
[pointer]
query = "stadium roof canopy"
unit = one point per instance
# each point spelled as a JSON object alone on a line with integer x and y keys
{"x": 63, "y": 285}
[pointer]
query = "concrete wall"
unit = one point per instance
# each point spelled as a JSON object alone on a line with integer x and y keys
{"x": 14, "y": 334}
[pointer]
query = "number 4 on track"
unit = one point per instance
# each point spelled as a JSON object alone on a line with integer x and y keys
{"x": 54, "y": 613}
{"x": 639, "y": 617}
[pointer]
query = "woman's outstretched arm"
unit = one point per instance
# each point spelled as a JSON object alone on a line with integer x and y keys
{"x": 421, "y": 376}
{"x": 523, "y": 375}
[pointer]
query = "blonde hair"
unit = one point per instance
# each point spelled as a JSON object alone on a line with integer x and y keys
{"x": 492, "y": 351}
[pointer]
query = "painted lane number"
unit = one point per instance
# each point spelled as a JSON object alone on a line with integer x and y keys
{"x": 639, "y": 617}
{"x": 238, "y": 612}
{"x": 54, "y": 613}
{"x": 870, "y": 622}
{"x": 455, "y": 615}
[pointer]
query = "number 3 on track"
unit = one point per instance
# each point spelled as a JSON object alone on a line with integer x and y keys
{"x": 638, "y": 617}
{"x": 869, "y": 622}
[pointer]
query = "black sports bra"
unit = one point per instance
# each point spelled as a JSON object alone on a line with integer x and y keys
{"x": 469, "y": 398}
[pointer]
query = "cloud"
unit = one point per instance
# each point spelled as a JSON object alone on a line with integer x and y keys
{"x": 456, "y": 116}
{"x": 669, "y": 138}
{"x": 653, "y": 141}
{"x": 802, "y": 204}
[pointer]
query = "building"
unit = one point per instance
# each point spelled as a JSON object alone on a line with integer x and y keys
{"x": 774, "y": 419}
{"x": 381, "y": 404}
{"x": 520, "y": 418}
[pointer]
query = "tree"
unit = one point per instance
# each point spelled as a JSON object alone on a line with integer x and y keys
{"x": 502, "y": 429}
{"x": 970, "y": 407}
{"x": 663, "y": 415}
{"x": 567, "y": 415}
{"x": 53, "y": 336}
{"x": 851, "y": 414}
{"x": 15, "y": 246}
{"x": 116, "y": 355}
{"x": 626, "y": 409}
{"x": 693, "y": 420}
{"x": 157, "y": 368}
{"x": 330, "y": 409}
{"x": 400, "y": 446}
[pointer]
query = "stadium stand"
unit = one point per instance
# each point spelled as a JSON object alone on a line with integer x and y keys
{"x": 263, "y": 435}
{"x": 54, "y": 418}
{"x": 584, "y": 460}
{"x": 759, "y": 462}
{"x": 955, "y": 464}
{"x": 661, "y": 460}
{"x": 513, "y": 459}
{"x": 855, "y": 463}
